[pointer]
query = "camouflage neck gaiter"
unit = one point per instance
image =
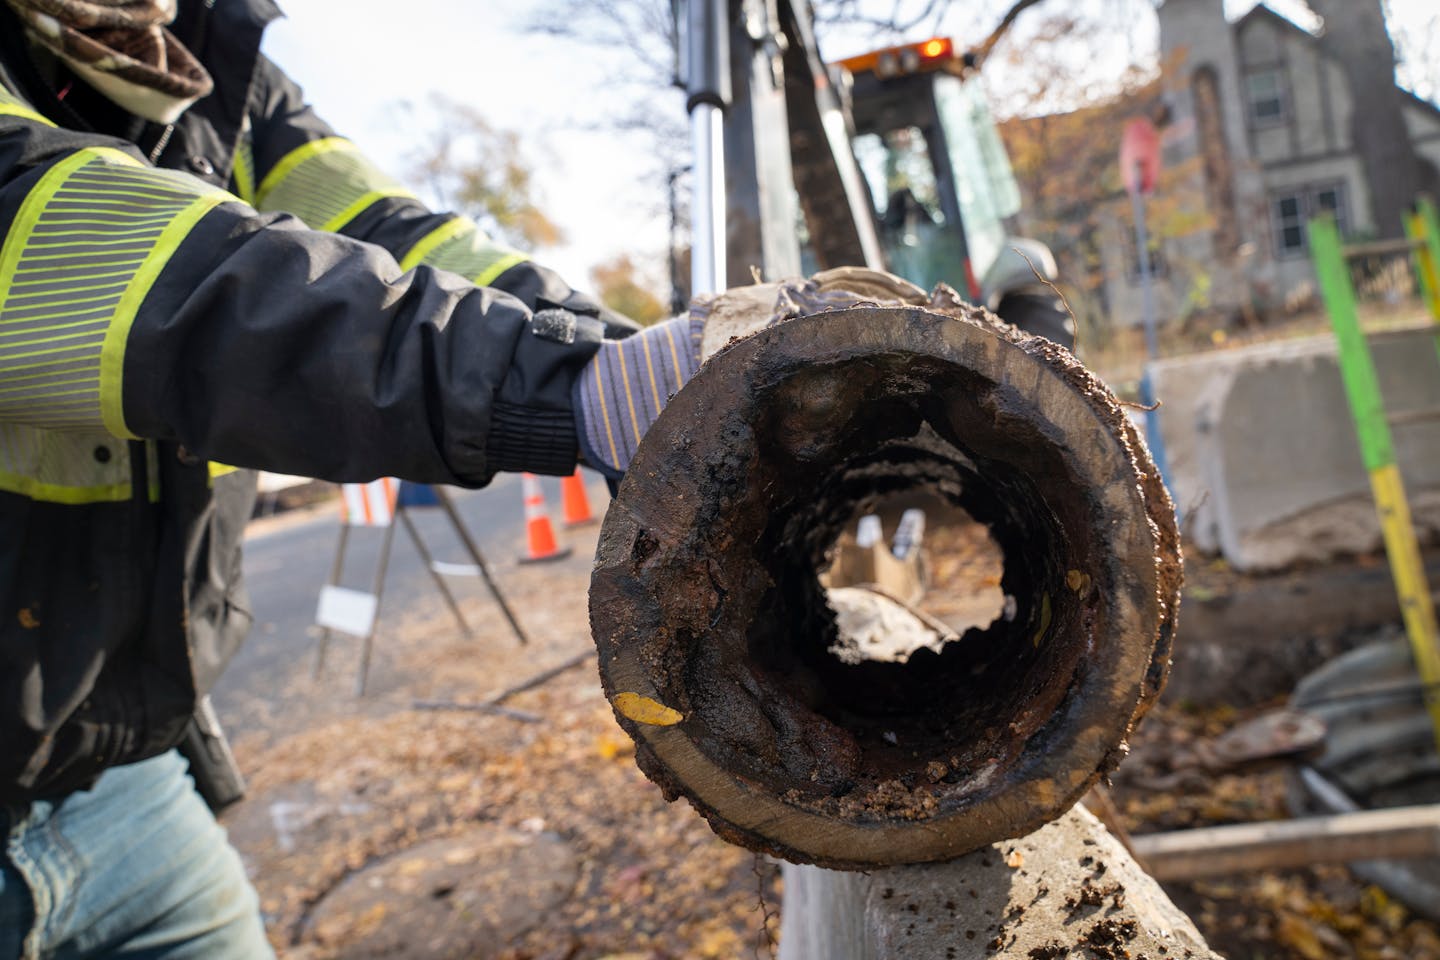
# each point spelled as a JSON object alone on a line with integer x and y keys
{"x": 121, "y": 48}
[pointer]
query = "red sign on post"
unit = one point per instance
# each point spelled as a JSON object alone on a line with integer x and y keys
{"x": 1140, "y": 156}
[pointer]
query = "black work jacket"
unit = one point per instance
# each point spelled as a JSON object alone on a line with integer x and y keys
{"x": 155, "y": 324}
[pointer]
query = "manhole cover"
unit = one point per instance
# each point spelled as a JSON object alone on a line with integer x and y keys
{"x": 463, "y": 896}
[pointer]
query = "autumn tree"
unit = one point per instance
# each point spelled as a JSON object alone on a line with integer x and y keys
{"x": 1063, "y": 136}
{"x": 470, "y": 167}
{"x": 618, "y": 286}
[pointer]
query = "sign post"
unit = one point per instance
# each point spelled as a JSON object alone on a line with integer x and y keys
{"x": 1140, "y": 169}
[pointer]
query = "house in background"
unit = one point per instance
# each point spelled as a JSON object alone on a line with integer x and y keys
{"x": 1267, "y": 115}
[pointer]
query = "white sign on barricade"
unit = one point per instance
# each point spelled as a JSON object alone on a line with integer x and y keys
{"x": 347, "y": 610}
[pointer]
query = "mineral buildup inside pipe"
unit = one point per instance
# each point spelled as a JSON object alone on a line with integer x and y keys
{"x": 713, "y": 628}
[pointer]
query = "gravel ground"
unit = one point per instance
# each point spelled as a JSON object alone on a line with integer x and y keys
{"x": 365, "y": 783}
{"x": 542, "y": 840}
{"x": 1323, "y": 913}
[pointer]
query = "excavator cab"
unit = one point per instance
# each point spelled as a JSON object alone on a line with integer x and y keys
{"x": 889, "y": 160}
{"x": 940, "y": 182}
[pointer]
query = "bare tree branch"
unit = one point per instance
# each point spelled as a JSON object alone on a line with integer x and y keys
{"x": 898, "y": 21}
{"x": 644, "y": 29}
{"x": 1003, "y": 27}
{"x": 1417, "y": 48}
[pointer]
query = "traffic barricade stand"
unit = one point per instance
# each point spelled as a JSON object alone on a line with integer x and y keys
{"x": 357, "y": 612}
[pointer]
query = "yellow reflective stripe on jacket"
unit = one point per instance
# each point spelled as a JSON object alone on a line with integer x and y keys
{"x": 244, "y": 172}
{"x": 459, "y": 247}
{"x": 59, "y": 467}
{"x": 79, "y": 259}
{"x": 326, "y": 183}
{"x": 13, "y": 106}
{"x": 15, "y": 110}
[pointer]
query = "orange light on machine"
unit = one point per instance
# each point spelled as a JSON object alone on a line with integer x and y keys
{"x": 910, "y": 58}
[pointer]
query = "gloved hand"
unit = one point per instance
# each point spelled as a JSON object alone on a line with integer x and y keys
{"x": 624, "y": 387}
{"x": 541, "y": 288}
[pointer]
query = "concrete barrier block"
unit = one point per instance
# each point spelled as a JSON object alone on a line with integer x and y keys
{"x": 1264, "y": 460}
{"x": 1180, "y": 385}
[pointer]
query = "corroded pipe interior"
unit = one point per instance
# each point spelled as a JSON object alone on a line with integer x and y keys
{"x": 706, "y": 595}
{"x": 883, "y": 721}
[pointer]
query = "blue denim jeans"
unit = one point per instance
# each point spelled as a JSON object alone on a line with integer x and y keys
{"x": 135, "y": 867}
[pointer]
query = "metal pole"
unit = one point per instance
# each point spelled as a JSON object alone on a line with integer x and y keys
{"x": 707, "y": 85}
{"x": 678, "y": 301}
{"x": 1147, "y": 291}
{"x": 378, "y": 589}
{"x": 429, "y": 562}
{"x": 336, "y": 569}
{"x": 465, "y": 539}
{"x": 857, "y": 195}
{"x": 1152, "y": 342}
{"x": 707, "y": 205}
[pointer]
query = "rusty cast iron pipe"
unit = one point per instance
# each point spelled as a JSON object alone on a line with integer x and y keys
{"x": 705, "y": 598}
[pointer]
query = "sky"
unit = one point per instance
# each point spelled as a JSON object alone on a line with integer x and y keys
{"x": 600, "y": 186}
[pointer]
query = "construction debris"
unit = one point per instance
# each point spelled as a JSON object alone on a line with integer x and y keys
{"x": 1401, "y": 832}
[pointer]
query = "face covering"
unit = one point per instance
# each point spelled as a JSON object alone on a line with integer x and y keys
{"x": 122, "y": 49}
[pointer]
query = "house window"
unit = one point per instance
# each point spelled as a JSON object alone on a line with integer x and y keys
{"x": 1331, "y": 200}
{"x": 1293, "y": 209}
{"x": 1265, "y": 97}
{"x": 1289, "y": 224}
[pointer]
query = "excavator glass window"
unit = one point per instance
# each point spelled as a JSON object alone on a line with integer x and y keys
{"x": 899, "y": 170}
{"x": 985, "y": 186}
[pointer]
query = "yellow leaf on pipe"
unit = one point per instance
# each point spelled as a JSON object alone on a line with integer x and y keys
{"x": 644, "y": 710}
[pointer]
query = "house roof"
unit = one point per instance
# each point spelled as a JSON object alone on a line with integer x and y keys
{"x": 1262, "y": 12}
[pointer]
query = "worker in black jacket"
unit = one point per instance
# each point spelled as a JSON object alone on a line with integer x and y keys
{"x": 199, "y": 278}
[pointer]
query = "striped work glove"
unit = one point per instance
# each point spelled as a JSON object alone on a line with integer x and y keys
{"x": 622, "y": 390}
{"x": 624, "y": 387}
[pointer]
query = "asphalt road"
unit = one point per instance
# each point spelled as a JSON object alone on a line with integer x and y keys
{"x": 288, "y": 560}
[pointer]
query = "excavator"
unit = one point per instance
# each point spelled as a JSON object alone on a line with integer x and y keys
{"x": 890, "y": 159}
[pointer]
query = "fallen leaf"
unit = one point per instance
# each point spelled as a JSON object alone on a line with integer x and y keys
{"x": 1299, "y": 935}
{"x": 611, "y": 747}
{"x": 642, "y": 709}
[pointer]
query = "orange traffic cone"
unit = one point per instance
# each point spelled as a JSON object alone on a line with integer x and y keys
{"x": 574, "y": 503}
{"x": 539, "y": 535}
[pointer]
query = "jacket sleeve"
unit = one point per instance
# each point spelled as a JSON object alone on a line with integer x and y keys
{"x": 291, "y": 161}
{"x": 152, "y": 305}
